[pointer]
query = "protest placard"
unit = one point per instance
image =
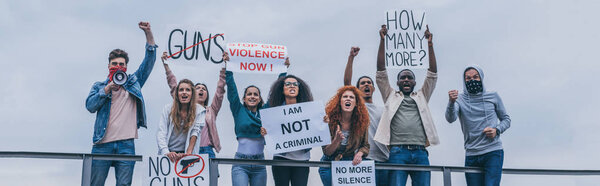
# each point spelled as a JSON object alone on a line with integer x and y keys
{"x": 191, "y": 170}
{"x": 405, "y": 42}
{"x": 187, "y": 44}
{"x": 295, "y": 127}
{"x": 344, "y": 173}
{"x": 256, "y": 58}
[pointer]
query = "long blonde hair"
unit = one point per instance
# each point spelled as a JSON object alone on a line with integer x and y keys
{"x": 190, "y": 116}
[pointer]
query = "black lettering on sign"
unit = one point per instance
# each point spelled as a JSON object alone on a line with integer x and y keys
{"x": 295, "y": 126}
{"x": 293, "y": 110}
{"x": 159, "y": 164}
{"x": 179, "y": 40}
{"x": 404, "y": 20}
{"x": 404, "y": 43}
{"x": 341, "y": 170}
{"x": 367, "y": 169}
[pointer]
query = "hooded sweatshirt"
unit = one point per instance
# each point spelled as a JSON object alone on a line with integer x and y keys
{"x": 476, "y": 112}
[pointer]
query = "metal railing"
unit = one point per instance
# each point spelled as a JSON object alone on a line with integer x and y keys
{"x": 215, "y": 162}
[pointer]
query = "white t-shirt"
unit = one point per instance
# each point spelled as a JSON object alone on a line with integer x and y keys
{"x": 378, "y": 151}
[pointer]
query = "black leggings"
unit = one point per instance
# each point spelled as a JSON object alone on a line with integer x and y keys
{"x": 298, "y": 176}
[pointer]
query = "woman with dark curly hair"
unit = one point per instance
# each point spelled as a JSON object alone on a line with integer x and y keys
{"x": 290, "y": 90}
{"x": 348, "y": 123}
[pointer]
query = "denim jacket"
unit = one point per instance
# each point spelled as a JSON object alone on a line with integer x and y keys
{"x": 98, "y": 101}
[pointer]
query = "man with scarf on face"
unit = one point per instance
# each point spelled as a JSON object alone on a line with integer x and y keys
{"x": 482, "y": 118}
{"x": 120, "y": 112}
{"x": 406, "y": 124}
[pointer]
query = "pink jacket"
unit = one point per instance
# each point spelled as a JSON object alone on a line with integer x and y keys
{"x": 209, "y": 135}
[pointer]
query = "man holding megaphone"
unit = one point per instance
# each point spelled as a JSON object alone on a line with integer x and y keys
{"x": 119, "y": 107}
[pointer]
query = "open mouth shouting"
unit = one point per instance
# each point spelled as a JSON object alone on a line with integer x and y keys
{"x": 406, "y": 87}
{"x": 292, "y": 91}
{"x": 185, "y": 98}
{"x": 347, "y": 105}
{"x": 367, "y": 90}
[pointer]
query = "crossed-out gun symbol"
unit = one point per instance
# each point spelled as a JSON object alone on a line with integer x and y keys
{"x": 188, "y": 163}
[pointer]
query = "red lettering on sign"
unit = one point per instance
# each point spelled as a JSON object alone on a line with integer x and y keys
{"x": 273, "y": 46}
{"x": 254, "y": 66}
{"x": 243, "y": 53}
{"x": 262, "y": 67}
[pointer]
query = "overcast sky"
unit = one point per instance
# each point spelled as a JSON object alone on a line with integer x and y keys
{"x": 541, "y": 56}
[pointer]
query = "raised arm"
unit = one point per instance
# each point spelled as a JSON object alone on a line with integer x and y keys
{"x": 287, "y": 65}
{"x": 232, "y": 94}
{"x": 215, "y": 106}
{"x": 145, "y": 26}
{"x": 431, "y": 79}
{"x": 382, "y": 77}
{"x": 148, "y": 63}
{"x": 432, "y": 62}
{"x": 381, "y": 51}
{"x": 348, "y": 71}
{"x": 171, "y": 79}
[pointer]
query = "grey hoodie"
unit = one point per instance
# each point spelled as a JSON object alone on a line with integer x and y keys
{"x": 476, "y": 112}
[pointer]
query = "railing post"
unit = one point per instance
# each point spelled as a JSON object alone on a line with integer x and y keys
{"x": 86, "y": 173}
{"x": 447, "y": 177}
{"x": 214, "y": 172}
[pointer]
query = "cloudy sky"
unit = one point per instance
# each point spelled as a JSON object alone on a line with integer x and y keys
{"x": 538, "y": 54}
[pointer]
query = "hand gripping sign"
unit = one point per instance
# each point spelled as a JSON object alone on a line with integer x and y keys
{"x": 188, "y": 171}
{"x": 295, "y": 127}
{"x": 405, "y": 43}
{"x": 256, "y": 58}
{"x": 344, "y": 173}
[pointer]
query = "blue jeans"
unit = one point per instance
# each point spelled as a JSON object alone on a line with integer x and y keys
{"x": 325, "y": 172}
{"x": 409, "y": 154}
{"x": 255, "y": 175}
{"x": 207, "y": 150}
{"x": 123, "y": 169}
{"x": 382, "y": 177}
{"x": 492, "y": 168}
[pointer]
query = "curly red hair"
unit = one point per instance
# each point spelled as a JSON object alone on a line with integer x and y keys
{"x": 359, "y": 119}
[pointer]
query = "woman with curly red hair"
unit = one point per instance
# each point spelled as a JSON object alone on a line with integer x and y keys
{"x": 348, "y": 123}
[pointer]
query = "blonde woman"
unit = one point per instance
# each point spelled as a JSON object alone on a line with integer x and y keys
{"x": 180, "y": 120}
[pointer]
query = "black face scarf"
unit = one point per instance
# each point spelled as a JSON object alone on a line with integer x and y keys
{"x": 474, "y": 86}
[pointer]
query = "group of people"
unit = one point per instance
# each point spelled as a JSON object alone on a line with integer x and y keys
{"x": 398, "y": 133}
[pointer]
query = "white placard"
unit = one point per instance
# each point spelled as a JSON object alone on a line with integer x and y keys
{"x": 344, "y": 173}
{"x": 295, "y": 127}
{"x": 158, "y": 170}
{"x": 405, "y": 43}
{"x": 256, "y": 58}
